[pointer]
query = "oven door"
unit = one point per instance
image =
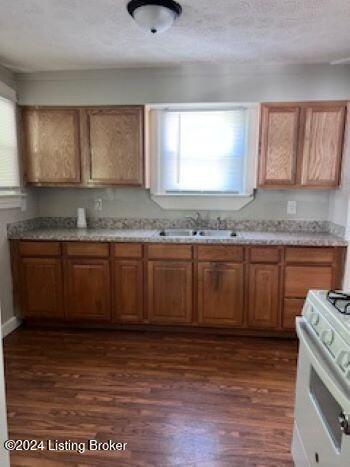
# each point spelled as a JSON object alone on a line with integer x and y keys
{"x": 321, "y": 398}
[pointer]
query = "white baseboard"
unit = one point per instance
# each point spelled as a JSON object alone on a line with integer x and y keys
{"x": 10, "y": 326}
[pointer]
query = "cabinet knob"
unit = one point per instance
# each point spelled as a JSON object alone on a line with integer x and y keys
{"x": 328, "y": 336}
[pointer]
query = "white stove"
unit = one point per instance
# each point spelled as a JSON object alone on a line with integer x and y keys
{"x": 331, "y": 328}
{"x": 322, "y": 409}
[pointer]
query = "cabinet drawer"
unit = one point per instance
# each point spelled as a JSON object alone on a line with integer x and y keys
{"x": 309, "y": 255}
{"x": 299, "y": 279}
{"x": 40, "y": 248}
{"x": 170, "y": 252}
{"x": 127, "y": 250}
{"x": 292, "y": 308}
{"x": 220, "y": 253}
{"x": 264, "y": 255}
{"x": 87, "y": 249}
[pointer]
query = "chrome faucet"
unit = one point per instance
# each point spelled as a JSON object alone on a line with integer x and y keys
{"x": 197, "y": 221}
{"x": 220, "y": 223}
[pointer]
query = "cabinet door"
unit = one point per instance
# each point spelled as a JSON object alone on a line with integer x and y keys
{"x": 51, "y": 143}
{"x": 170, "y": 288}
{"x": 41, "y": 287}
{"x": 300, "y": 279}
{"x": 278, "y": 145}
{"x": 116, "y": 145}
{"x": 322, "y": 145}
{"x": 128, "y": 290}
{"x": 220, "y": 293}
{"x": 264, "y": 293}
{"x": 291, "y": 309}
{"x": 87, "y": 289}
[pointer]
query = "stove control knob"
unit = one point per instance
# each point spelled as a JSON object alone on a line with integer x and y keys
{"x": 344, "y": 360}
{"x": 315, "y": 319}
{"x": 328, "y": 336}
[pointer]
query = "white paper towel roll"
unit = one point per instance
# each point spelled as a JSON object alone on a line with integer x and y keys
{"x": 81, "y": 222}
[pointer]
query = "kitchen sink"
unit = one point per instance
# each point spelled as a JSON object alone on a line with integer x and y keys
{"x": 217, "y": 233}
{"x": 177, "y": 233}
{"x": 194, "y": 233}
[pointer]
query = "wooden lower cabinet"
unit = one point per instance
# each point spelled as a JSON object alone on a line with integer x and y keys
{"x": 256, "y": 288}
{"x": 300, "y": 279}
{"x": 42, "y": 287}
{"x": 264, "y": 293}
{"x": 87, "y": 287}
{"x": 170, "y": 292}
{"x": 292, "y": 308}
{"x": 128, "y": 291}
{"x": 220, "y": 293}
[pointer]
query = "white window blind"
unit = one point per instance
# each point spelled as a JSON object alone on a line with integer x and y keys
{"x": 9, "y": 170}
{"x": 203, "y": 151}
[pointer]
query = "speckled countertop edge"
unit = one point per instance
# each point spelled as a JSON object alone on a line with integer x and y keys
{"x": 152, "y": 236}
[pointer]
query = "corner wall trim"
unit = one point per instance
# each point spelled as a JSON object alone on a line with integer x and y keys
{"x": 10, "y": 326}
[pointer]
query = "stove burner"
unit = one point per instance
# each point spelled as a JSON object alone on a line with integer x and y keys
{"x": 340, "y": 300}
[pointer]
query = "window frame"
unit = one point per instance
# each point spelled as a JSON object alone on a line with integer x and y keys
{"x": 201, "y": 200}
{"x": 12, "y": 198}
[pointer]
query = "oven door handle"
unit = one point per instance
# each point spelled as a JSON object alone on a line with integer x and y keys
{"x": 322, "y": 367}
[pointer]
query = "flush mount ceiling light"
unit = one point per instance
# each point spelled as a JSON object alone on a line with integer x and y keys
{"x": 154, "y": 15}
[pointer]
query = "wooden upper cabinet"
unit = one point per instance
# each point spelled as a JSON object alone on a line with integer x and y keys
{"x": 85, "y": 146}
{"x": 301, "y": 144}
{"x": 278, "y": 145}
{"x": 51, "y": 145}
{"x": 322, "y": 145}
{"x": 115, "y": 145}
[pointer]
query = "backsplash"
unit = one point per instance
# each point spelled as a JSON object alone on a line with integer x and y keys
{"x": 142, "y": 224}
{"x": 136, "y": 203}
{"x": 336, "y": 229}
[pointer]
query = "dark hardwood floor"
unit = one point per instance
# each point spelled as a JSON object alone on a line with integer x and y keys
{"x": 175, "y": 399}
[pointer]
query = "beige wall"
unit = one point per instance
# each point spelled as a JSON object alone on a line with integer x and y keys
{"x": 339, "y": 203}
{"x": 133, "y": 202}
{"x": 7, "y": 77}
{"x": 339, "y": 199}
{"x": 186, "y": 84}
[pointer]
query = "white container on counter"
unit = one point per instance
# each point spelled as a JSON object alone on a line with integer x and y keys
{"x": 81, "y": 220}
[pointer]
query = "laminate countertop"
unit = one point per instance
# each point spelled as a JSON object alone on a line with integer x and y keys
{"x": 152, "y": 236}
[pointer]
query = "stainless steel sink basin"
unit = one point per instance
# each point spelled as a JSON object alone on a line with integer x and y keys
{"x": 177, "y": 233}
{"x": 217, "y": 233}
{"x": 194, "y": 233}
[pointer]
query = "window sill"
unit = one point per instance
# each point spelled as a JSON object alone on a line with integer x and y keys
{"x": 202, "y": 202}
{"x": 11, "y": 200}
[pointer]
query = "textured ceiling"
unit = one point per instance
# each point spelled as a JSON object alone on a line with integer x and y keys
{"x": 37, "y": 35}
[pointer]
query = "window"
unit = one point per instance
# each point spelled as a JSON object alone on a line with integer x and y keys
{"x": 9, "y": 170}
{"x": 203, "y": 151}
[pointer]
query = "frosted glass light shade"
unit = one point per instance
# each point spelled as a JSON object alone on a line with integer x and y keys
{"x": 154, "y": 18}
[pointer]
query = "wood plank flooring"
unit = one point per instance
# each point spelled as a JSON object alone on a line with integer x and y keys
{"x": 175, "y": 399}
